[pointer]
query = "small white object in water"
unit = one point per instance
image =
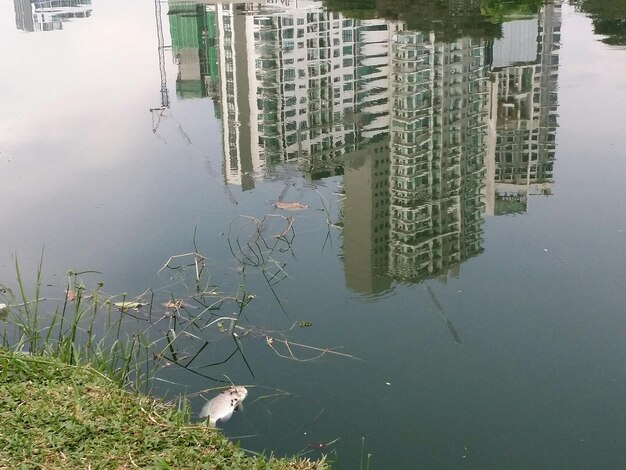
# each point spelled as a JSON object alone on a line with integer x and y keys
{"x": 221, "y": 407}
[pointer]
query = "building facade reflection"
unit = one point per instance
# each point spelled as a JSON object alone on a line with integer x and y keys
{"x": 525, "y": 77}
{"x": 48, "y": 15}
{"x": 194, "y": 39}
{"x": 437, "y": 154}
{"x": 430, "y": 135}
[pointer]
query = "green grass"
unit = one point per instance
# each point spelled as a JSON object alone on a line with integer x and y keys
{"x": 57, "y": 415}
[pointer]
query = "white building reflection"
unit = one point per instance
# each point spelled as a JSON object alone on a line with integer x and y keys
{"x": 525, "y": 76}
{"x": 48, "y": 15}
{"x": 429, "y": 135}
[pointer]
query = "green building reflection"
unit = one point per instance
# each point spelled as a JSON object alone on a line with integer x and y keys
{"x": 194, "y": 37}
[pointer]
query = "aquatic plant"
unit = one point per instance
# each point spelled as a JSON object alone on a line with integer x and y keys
{"x": 83, "y": 327}
{"x": 132, "y": 338}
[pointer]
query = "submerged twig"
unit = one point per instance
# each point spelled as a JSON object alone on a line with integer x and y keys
{"x": 439, "y": 310}
{"x": 288, "y": 344}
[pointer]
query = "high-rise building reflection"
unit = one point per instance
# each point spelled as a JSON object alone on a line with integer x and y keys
{"x": 48, "y": 15}
{"x": 524, "y": 77}
{"x": 428, "y": 134}
{"x": 365, "y": 217}
{"x": 437, "y": 154}
{"x": 194, "y": 38}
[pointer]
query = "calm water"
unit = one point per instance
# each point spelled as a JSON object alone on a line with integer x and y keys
{"x": 463, "y": 242}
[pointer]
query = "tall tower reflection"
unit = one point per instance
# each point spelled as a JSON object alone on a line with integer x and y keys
{"x": 437, "y": 154}
{"x": 366, "y": 237}
{"x": 301, "y": 85}
{"x": 525, "y": 75}
{"x": 321, "y": 83}
{"x": 213, "y": 49}
{"x": 194, "y": 37}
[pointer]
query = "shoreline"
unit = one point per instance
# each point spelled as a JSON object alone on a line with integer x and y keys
{"x": 56, "y": 415}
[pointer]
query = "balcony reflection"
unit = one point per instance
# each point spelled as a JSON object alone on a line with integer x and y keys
{"x": 48, "y": 15}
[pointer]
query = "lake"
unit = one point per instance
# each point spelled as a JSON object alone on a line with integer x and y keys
{"x": 415, "y": 210}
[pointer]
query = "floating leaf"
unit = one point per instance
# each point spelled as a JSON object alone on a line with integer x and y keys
{"x": 70, "y": 295}
{"x": 178, "y": 303}
{"x": 291, "y": 206}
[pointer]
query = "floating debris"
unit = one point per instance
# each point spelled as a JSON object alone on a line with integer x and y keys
{"x": 129, "y": 305}
{"x": 176, "y": 304}
{"x": 291, "y": 206}
{"x": 221, "y": 407}
{"x": 320, "y": 445}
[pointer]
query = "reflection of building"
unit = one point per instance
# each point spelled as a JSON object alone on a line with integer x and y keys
{"x": 424, "y": 136}
{"x": 421, "y": 215}
{"x": 236, "y": 94}
{"x": 321, "y": 86}
{"x": 48, "y": 15}
{"x": 210, "y": 44}
{"x": 323, "y": 102}
{"x": 192, "y": 29}
{"x": 366, "y": 218}
{"x": 437, "y": 154}
{"x": 526, "y": 82}
{"x": 24, "y": 15}
{"x": 312, "y": 85}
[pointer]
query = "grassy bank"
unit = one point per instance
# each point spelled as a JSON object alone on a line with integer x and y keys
{"x": 55, "y": 415}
